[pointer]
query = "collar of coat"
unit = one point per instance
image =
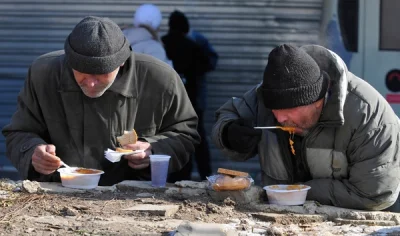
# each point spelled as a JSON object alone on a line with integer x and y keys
{"x": 335, "y": 67}
{"x": 125, "y": 83}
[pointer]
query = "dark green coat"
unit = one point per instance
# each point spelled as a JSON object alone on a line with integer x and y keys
{"x": 147, "y": 95}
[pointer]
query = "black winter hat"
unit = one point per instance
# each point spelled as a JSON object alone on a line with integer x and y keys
{"x": 178, "y": 22}
{"x": 292, "y": 78}
{"x": 96, "y": 46}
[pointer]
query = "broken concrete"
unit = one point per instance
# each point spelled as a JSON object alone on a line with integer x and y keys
{"x": 192, "y": 184}
{"x": 292, "y": 219}
{"x": 4, "y": 194}
{"x": 271, "y": 208}
{"x": 58, "y": 188}
{"x": 185, "y": 193}
{"x": 133, "y": 185}
{"x": 365, "y": 222}
{"x": 201, "y": 229}
{"x": 160, "y": 210}
{"x": 145, "y": 195}
{"x": 337, "y": 212}
{"x": 252, "y": 195}
{"x": 287, "y": 219}
{"x": 7, "y": 184}
{"x": 30, "y": 187}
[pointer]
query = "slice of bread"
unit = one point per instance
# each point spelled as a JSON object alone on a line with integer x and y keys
{"x": 232, "y": 172}
{"x": 129, "y": 137}
{"x": 122, "y": 150}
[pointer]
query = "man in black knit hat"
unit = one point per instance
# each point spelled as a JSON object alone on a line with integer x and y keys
{"x": 76, "y": 102}
{"x": 346, "y": 141}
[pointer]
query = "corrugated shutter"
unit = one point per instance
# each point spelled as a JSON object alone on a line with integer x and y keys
{"x": 242, "y": 32}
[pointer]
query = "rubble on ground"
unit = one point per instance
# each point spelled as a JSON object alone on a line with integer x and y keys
{"x": 186, "y": 207}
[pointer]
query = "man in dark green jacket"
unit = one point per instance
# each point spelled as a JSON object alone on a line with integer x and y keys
{"x": 76, "y": 102}
{"x": 347, "y": 137}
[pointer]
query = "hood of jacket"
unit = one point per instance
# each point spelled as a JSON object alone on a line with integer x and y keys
{"x": 137, "y": 35}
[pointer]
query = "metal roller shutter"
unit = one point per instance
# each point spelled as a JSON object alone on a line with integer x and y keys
{"x": 242, "y": 32}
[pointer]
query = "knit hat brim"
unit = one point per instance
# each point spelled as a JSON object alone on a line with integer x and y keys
{"x": 96, "y": 65}
{"x": 294, "y": 97}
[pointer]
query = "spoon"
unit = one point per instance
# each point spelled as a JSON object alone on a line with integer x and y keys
{"x": 289, "y": 129}
{"x": 63, "y": 164}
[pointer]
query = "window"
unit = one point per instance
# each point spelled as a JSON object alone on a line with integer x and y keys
{"x": 348, "y": 21}
{"x": 389, "y": 36}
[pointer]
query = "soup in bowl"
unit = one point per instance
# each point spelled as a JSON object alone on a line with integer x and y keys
{"x": 80, "y": 178}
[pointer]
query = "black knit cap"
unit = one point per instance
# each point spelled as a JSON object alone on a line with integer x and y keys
{"x": 178, "y": 22}
{"x": 292, "y": 78}
{"x": 96, "y": 46}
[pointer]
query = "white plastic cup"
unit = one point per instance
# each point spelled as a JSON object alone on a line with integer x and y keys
{"x": 159, "y": 170}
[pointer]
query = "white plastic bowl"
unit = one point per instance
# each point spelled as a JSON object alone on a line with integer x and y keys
{"x": 280, "y": 195}
{"x": 72, "y": 179}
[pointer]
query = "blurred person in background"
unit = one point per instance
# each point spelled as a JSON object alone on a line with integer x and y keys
{"x": 143, "y": 35}
{"x": 192, "y": 56}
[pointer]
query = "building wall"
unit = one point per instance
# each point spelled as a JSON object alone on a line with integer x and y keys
{"x": 242, "y": 32}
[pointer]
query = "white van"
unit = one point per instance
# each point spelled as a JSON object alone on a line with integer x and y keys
{"x": 366, "y": 34}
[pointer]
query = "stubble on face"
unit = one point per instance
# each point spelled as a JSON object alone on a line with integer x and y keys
{"x": 93, "y": 85}
{"x": 100, "y": 90}
{"x": 305, "y": 118}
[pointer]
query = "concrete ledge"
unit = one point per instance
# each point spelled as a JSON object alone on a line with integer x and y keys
{"x": 185, "y": 193}
{"x": 364, "y": 222}
{"x": 254, "y": 194}
{"x": 192, "y": 184}
{"x": 53, "y": 187}
{"x": 199, "y": 229}
{"x": 133, "y": 185}
{"x": 160, "y": 210}
{"x": 287, "y": 219}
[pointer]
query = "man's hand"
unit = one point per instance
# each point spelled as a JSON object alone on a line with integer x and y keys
{"x": 138, "y": 160}
{"x": 44, "y": 159}
{"x": 240, "y": 136}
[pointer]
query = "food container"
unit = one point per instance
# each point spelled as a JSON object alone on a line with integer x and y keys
{"x": 80, "y": 178}
{"x": 287, "y": 194}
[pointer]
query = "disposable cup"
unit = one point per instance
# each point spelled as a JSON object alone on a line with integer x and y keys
{"x": 159, "y": 169}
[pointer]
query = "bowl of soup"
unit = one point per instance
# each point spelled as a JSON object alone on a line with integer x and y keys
{"x": 80, "y": 178}
{"x": 287, "y": 195}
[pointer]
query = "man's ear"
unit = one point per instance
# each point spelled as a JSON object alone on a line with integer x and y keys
{"x": 122, "y": 64}
{"x": 319, "y": 103}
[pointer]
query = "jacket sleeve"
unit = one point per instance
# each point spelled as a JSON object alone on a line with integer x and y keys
{"x": 177, "y": 134}
{"x": 373, "y": 182}
{"x": 233, "y": 109}
{"x": 25, "y": 130}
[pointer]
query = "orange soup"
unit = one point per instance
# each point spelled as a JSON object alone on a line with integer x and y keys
{"x": 86, "y": 171}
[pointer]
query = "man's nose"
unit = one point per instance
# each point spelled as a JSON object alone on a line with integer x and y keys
{"x": 281, "y": 118}
{"x": 90, "y": 81}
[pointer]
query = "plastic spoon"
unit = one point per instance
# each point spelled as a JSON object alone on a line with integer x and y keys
{"x": 63, "y": 164}
{"x": 289, "y": 129}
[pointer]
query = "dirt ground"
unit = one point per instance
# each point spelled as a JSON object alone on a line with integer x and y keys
{"x": 103, "y": 214}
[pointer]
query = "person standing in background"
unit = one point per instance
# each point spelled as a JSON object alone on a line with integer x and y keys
{"x": 192, "y": 61}
{"x": 143, "y": 35}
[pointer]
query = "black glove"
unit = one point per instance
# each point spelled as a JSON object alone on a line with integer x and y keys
{"x": 240, "y": 136}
